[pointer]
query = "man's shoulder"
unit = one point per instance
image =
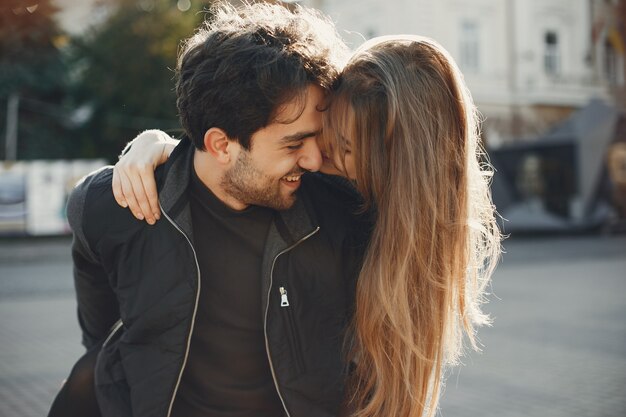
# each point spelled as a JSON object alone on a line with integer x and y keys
{"x": 336, "y": 201}
{"x": 91, "y": 206}
{"x": 95, "y": 183}
{"x": 335, "y": 204}
{"x": 331, "y": 191}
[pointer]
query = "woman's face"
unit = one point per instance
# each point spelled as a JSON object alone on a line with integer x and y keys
{"x": 340, "y": 159}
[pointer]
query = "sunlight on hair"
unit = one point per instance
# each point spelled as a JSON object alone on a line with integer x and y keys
{"x": 435, "y": 242}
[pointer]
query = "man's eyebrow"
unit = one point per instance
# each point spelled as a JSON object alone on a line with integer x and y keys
{"x": 296, "y": 137}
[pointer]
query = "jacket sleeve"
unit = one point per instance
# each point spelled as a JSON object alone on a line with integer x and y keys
{"x": 98, "y": 308}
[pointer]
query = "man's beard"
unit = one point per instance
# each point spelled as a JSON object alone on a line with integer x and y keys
{"x": 248, "y": 185}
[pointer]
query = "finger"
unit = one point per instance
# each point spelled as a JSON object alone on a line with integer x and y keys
{"x": 141, "y": 197}
{"x": 117, "y": 188}
{"x": 129, "y": 195}
{"x": 150, "y": 188}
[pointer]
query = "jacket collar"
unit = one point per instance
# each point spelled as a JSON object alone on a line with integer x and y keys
{"x": 176, "y": 175}
{"x": 288, "y": 230}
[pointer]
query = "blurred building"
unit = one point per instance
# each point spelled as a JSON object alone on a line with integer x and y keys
{"x": 608, "y": 38}
{"x": 548, "y": 77}
{"x": 528, "y": 63}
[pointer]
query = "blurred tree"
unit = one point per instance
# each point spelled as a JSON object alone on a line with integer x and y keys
{"x": 123, "y": 70}
{"x": 32, "y": 77}
{"x": 29, "y": 57}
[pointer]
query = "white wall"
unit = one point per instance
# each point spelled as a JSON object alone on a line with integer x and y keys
{"x": 570, "y": 20}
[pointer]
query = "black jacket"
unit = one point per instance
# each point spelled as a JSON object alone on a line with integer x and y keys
{"x": 138, "y": 286}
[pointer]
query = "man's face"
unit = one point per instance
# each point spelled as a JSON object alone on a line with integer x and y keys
{"x": 269, "y": 173}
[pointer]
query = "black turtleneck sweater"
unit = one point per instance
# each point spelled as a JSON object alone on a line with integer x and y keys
{"x": 227, "y": 372}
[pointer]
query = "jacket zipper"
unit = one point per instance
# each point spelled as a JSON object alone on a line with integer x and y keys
{"x": 294, "y": 341}
{"x": 118, "y": 325}
{"x": 267, "y": 307}
{"x": 284, "y": 301}
{"x": 193, "y": 317}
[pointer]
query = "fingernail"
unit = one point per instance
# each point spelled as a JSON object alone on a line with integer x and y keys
{"x": 151, "y": 222}
{"x": 139, "y": 216}
{"x": 157, "y": 216}
{"x": 124, "y": 204}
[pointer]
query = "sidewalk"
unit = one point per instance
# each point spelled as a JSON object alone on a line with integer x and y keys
{"x": 40, "y": 342}
{"x": 557, "y": 346}
{"x": 558, "y": 342}
{"x": 38, "y": 325}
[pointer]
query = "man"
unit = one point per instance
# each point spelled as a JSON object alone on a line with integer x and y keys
{"x": 237, "y": 304}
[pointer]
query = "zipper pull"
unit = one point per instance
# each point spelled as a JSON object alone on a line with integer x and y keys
{"x": 284, "y": 302}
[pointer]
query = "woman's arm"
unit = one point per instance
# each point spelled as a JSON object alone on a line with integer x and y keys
{"x": 133, "y": 175}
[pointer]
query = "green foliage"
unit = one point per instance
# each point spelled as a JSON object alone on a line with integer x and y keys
{"x": 29, "y": 58}
{"x": 32, "y": 66}
{"x": 120, "y": 73}
{"x": 124, "y": 70}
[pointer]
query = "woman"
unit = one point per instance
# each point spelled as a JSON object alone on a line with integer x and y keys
{"x": 402, "y": 125}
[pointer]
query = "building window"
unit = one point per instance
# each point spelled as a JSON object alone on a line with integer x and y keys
{"x": 610, "y": 62}
{"x": 613, "y": 62}
{"x": 552, "y": 57}
{"x": 470, "y": 46}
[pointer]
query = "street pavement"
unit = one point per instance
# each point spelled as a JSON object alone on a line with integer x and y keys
{"x": 557, "y": 346}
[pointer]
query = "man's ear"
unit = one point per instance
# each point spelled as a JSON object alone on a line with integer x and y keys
{"x": 219, "y": 145}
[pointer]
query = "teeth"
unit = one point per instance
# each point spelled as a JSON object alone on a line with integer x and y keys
{"x": 293, "y": 179}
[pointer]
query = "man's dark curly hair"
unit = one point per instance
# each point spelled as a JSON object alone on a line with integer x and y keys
{"x": 241, "y": 66}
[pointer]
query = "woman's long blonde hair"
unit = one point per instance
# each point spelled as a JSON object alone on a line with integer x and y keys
{"x": 435, "y": 242}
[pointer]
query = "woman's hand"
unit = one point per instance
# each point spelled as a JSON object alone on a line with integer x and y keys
{"x": 133, "y": 175}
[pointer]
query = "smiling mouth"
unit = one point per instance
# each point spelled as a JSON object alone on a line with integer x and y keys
{"x": 292, "y": 178}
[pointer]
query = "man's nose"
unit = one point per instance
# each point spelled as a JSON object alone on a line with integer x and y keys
{"x": 310, "y": 155}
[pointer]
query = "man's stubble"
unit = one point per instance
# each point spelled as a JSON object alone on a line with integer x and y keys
{"x": 249, "y": 185}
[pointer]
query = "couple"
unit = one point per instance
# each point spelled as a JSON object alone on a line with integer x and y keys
{"x": 267, "y": 289}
